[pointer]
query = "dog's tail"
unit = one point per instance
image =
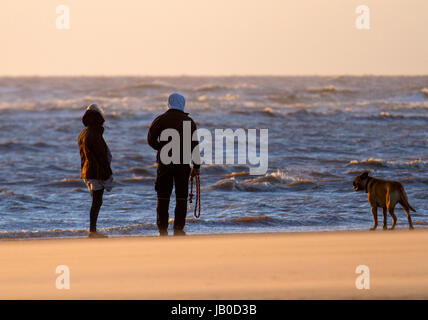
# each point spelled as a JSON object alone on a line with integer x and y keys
{"x": 404, "y": 201}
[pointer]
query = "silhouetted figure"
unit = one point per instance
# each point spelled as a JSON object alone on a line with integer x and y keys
{"x": 95, "y": 163}
{"x": 169, "y": 174}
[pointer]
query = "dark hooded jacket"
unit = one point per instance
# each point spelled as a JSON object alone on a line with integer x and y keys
{"x": 94, "y": 153}
{"x": 171, "y": 119}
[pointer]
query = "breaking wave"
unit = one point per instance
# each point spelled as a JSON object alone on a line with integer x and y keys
{"x": 131, "y": 229}
{"x": 330, "y": 89}
{"x": 150, "y": 228}
{"x": 418, "y": 163}
{"x": 267, "y": 182}
{"x": 218, "y": 88}
{"x": 212, "y": 88}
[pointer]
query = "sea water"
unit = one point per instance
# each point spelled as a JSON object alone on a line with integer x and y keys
{"x": 323, "y": 131}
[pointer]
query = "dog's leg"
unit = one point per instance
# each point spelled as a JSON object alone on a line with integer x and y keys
{"x": 406, "y": 210}
{"x": 409, "y": 218}
{"x": 384, "y": 223}
{"x": 394, "y": 218}
{"x": 374, "y": 213}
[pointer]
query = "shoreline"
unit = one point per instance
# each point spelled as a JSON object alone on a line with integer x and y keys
{"x": 301, "y": 265}
{"x": 417, "y": 227}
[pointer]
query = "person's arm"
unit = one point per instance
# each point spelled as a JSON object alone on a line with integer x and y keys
{"x": 153, "y": 135}
{"x": 81, "y": 150}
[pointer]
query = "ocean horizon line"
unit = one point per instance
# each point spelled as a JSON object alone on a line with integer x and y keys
{"x": 210, "y": 76}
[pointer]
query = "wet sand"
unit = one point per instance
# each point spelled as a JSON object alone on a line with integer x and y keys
{"x": 315, "y": 265}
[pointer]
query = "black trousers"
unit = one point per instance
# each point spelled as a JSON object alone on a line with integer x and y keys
{"x": 97, "y": 202}
{"x": 168, "y": 176}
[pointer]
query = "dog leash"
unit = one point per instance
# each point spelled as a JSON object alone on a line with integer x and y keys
{"x": 197, "y": 212}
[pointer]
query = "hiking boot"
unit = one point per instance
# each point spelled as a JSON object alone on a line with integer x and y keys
{"x": 96, "y": 235}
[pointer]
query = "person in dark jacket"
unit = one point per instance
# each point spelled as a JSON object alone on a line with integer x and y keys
{"x": 175, "y": 173}
{"x": 95, "y": 163}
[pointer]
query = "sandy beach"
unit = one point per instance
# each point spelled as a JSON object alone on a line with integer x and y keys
{"x": 316, "y": 265}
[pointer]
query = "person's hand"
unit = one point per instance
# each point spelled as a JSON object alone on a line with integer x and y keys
{"x": 194, "y": 172}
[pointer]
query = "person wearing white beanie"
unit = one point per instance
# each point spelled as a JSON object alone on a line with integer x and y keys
{"x": 171, "y": 175}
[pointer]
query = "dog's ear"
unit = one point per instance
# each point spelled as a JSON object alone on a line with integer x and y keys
{"x": 365, "y": 174}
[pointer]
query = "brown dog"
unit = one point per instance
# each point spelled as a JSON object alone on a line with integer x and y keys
{"x": 383, "y": 194}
